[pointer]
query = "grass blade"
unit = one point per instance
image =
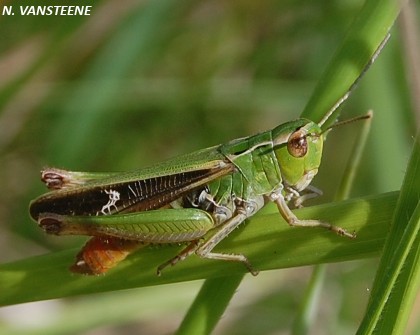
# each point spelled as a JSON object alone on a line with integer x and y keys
{"x": 365, "y": 35}
{"x": 209, "y": 305}
{"x": 266, "y": 240}
{"x": 398, "y": 280}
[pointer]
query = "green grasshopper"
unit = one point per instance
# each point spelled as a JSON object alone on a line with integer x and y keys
{"x": 197, "y": 199}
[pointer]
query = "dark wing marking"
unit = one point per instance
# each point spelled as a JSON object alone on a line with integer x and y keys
{"x": 131, "y": 196}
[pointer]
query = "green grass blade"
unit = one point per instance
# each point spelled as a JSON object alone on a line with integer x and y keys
{"x": 266, "y": 240}
{"x": 209, "y": 305}
{"x": 354, "y": 161}
{"x": 365, "y": 35}
{"x": 398, "y": 277}
{"x": 310, "y": 303}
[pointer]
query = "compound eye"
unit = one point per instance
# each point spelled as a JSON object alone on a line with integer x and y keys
{"x": 297, "y": 145}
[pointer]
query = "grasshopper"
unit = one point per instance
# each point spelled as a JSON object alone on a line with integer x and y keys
{"x": 197, "y": 199}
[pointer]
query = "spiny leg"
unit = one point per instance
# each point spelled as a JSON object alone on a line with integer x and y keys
{"x": 184, "y": 253}
{"x": 243, "y": 212}
{"x": 204, "y": 249}
{"x": 292, "y": 220}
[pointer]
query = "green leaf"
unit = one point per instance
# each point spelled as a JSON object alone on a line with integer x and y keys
{"x": 398, "y": 277}
{"x": 209, "y": 305}
{"x": 266, "y": 240}
{"x": 367, "y": 32}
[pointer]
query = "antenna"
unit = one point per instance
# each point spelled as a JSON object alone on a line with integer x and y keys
{"x": 368, "y": 115}
{"x": 353, "y": 86}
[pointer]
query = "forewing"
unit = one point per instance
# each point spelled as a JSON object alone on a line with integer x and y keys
{"x": 153, "y": 188}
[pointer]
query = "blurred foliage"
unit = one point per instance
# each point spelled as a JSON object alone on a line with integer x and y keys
{"x": 138, "y": 82}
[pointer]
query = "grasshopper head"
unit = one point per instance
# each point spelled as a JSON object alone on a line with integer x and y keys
{"x": 298, "y": 148}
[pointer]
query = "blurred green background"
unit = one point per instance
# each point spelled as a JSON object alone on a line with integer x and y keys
{"x": 138, "y": 82}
